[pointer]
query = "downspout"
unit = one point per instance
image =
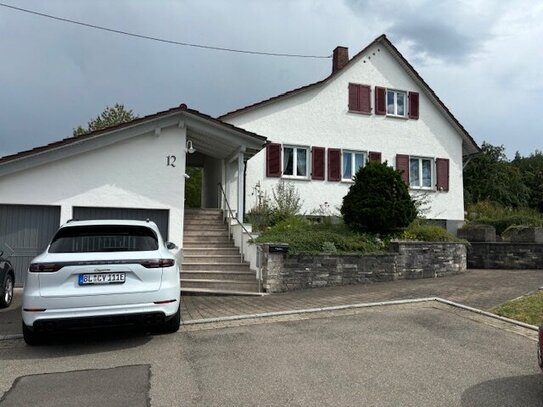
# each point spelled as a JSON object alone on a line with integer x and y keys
{"x": 244, "y": 188}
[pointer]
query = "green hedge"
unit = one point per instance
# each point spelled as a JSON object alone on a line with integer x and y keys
{"x": 304, "y": 237}
{"x": 503, "y": 223}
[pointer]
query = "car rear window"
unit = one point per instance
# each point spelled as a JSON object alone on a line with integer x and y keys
{"x": 104, "y": 238}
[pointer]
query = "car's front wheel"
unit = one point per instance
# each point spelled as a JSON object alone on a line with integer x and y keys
{"x": 31, "y": 338}
{"x": 7, "y": 292}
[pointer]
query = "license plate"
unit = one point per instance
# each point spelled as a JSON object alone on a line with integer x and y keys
{"x": 102, "y": 278}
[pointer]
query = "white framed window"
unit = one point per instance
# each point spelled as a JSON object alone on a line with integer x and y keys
{"x": 295, "y": 161}
{"x": 351, "y": 162}
{"x": 396, "y": 103}
{"x": 421, "y": 172}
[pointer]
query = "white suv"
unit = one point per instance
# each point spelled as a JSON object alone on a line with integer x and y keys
{"x": 102, "y": 273}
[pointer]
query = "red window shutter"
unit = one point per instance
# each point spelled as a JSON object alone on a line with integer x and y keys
{"x": 413, "y": 105}
{"x": 402, "y": 165}
{"x": 334, "y": 164}
{"x": 375, "y": 156}
{"x": 359, "y": 98}
{"x": 354, "y": 100}
{"x": 364, "y": 98}
{"x": 273, "y": 160}
{"x": 442, "y": 174}
{"x": 317, "y": 163}
{"x": 380, "y": 100}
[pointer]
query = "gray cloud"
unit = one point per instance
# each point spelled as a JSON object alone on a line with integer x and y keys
{"x": 450, "y": 31}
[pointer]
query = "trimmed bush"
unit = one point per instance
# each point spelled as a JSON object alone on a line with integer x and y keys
{"x": 503, "y": 223}
{"x": 305, "y": 237}
{"x": 427, "y": 233}
{"x": 378, "y": 201}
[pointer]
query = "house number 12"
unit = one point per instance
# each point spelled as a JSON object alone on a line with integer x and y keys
{"x": 170, "y": 161}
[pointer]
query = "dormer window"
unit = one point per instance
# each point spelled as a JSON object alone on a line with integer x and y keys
{"x": 396, "y": 103}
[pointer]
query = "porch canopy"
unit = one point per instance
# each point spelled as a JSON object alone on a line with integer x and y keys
{"x": 221, "y": 149}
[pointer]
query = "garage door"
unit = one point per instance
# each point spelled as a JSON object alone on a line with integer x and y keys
{"x": 27, "y": 229}
{"x": 159, "y": 216}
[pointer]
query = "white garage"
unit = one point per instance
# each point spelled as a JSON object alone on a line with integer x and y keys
{"x": 135, "y": 170}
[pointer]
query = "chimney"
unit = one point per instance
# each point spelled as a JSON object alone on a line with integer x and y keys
{"x": 340, "y": 58}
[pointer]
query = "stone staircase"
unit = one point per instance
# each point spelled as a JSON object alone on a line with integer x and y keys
{"x": 211, "y": 262}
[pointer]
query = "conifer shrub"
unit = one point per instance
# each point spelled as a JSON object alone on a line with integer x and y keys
{"x": 378, "y": 201}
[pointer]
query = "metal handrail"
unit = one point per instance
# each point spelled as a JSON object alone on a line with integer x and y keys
{"x": 259, "y": 276}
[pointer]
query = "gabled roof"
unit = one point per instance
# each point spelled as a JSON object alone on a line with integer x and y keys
{"x": 139, "y": 121}
{"x": 471, "y": 145}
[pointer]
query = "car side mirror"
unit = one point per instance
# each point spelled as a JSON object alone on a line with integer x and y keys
{"x": 171, "y": 246}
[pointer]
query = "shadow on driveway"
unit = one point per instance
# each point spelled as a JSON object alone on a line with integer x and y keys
{"x": 507, "y": 391}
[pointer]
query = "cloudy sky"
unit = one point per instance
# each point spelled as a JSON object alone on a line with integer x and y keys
{"x": 482, "y": 57}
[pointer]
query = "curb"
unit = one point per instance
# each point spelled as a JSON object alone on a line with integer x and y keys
{"x": 304, "y": 311}
{"x": 8, "y": 337}
{"x": 361, "y": 305}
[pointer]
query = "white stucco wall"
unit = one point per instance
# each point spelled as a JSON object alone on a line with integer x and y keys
{"x": 319, "y": 117}
{"x": 128, "y": 174}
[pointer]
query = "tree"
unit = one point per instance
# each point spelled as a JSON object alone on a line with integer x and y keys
{"x": 490, "y": 176}
{"x": 531, "y": 173}
{"x": 111, "y": 116}
{"x": 378, "y": 201}
{"x": 193, "y": 188}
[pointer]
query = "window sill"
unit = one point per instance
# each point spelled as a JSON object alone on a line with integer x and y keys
{"x": 357, "y": 112}
{"x": 347, "y": 181}
{"x": 395, "y": 116}
{"x": 428, "y": 189}
{"x": 295, "y": 178}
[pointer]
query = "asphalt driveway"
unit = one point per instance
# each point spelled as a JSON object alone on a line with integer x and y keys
{"x": 424, "y": 354}
{"x": 483, "y": 289}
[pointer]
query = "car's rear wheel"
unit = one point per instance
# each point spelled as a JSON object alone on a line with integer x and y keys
{"x": 7, "y": 292}
{"x": 172, "y": 325}
{"x": 31, "y": 338}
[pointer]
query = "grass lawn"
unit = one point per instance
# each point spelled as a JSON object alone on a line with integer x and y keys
{"x": 527, "y": 309}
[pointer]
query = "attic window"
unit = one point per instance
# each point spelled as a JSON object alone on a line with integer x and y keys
{"x": 396, "y": 103}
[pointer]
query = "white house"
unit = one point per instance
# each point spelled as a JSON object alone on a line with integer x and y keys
{"x": 374, "y": 106}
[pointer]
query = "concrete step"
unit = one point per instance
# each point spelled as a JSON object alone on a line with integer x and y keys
{"x": 204, "y": 226}
{"x": 203, "y": 210}
{"x": 218, "y": 275}
{"x": 231, "y": 258}
{"x": 209, "y": 246}
{"x": 203, "y": 215}
{"x": 218, "y": 233}
{"x": 211, "y": 251}
{"x": 211, "y": 291}
{"x": 232, "y": 285}
{"x": 206, "y": 239}
{"x": 215, "y": 267}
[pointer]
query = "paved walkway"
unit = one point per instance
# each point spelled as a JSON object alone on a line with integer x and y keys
{"x": 483, "y": 289}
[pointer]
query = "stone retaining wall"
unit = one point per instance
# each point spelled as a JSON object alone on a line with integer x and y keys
{"x": 406, "y": 260}
{"x": 505, "y": 255}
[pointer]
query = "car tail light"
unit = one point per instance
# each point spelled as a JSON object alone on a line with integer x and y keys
{"x": 45, "y": 267}
{"x": 157, "y": 263}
